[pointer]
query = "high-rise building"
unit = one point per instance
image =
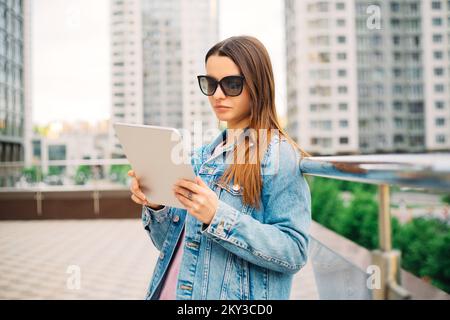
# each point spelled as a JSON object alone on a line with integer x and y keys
{"x": 390, "y": 77}
{"x": 436, "y": 68}
{"x": 321, "y": 76}
{"x": 156, "y": 83}
{"x": 15, "y": 108}
{"x": 126, "y": 67}
{"x": 368, "y": 76}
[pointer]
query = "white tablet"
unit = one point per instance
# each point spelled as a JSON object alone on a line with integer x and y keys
{"x": 156, "y": 155}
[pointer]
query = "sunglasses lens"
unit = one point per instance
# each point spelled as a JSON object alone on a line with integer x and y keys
{"x": 207, "y": 85}
{"x": 232, "y": 86}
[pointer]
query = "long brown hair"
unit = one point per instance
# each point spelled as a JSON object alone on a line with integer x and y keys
{"x": 253, "y": 60}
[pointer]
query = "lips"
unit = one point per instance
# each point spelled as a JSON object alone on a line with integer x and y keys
{"x": 221, "y": 107}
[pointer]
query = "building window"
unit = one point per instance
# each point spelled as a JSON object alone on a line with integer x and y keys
{"x": 343, "y": 140}
{"x": 341, "y": 39}
{"x": 436, "y": 5}
{"x": 438, "y": 71}
{"x": 343, "y": 106}
{"x": 395, "y": 22}
{"x": 440, "y": 122}
{"x": 437, "y": 22}
{"x": 324, "y": 57}
{"x": 440, "y": 138}
{"x": 439, "y": 105}
{"x": 57, "y": 152}
{"x": 341, "y": 56}
{"x": 319, "y": 124}
{"x": 340, "y": 22}
{"x": 395, "y": 6}
{"x": 398, "y": 138}
{"x": 342, "y": 73}
{"x": 437, "y": 38}
{"x": 340, "y": 6}
{"x": 324, "y": 91}
{"x": 414, "y": 7}
{"x": 438, "y": 88}
{"x": 398, "y": 123}
{"x": 438, "y": 55}
{"x": 342, "y": 89}
{"x": 398, "y": 106}
{"x": 397, "y": 89}
{"x": 396, "y": 40}
{"x": 343, "y": 123}
{"x": 321, "y": 107}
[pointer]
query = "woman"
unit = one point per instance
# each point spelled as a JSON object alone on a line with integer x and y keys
{"x": 243, "y": 232}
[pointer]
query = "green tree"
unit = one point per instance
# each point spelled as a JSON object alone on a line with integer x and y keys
{"x": 437, "y": 265}
{"x": 83, "y": 174}
{"x": 360, "y": 223}
{"x": 32, "y": 174}
{"x": 415, "y": 242}
{"x": 55, "y": 170}
{"x": 118, "y": 172}
{"x": 326, "y": 204}
{"x": 446, "y": 198}
{"x": 356, "y": 186}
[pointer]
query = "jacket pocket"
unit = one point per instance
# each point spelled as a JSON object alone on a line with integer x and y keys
{"x": 232, "y": 194}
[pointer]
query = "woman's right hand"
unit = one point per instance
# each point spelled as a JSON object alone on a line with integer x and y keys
{"x": 137, "y": 195}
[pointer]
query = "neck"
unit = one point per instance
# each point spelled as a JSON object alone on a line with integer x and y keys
{"x": 232, "y": 135}
{"x": 240, "y": 124}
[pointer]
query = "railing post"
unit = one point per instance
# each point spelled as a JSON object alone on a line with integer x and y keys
{"x": 384, "y": 218}
{"x": 387, "y": 259}
{"x": 39, "y": 198}
{"x": 96, "y": 198}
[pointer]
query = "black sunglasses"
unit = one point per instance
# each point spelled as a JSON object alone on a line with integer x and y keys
{"x": 231, "y": 85}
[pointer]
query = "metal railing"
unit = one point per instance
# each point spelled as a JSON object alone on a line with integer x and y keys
{"x": 65, "y": 174}
{"x": 94, "y": 179}
{"x": 423, "y": 171}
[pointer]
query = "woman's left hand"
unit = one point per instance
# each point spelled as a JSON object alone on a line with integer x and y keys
{"x": 197, "y": 198}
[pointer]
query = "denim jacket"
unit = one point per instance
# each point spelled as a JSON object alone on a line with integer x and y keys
{"x": 244, "y": 253}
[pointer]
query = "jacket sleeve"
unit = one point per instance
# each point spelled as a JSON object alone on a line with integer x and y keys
{"x": 281, "y": 242}
{"x": 156, "y": 223}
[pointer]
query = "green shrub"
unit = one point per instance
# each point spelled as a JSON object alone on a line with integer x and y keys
{"x": 424, "y": 242}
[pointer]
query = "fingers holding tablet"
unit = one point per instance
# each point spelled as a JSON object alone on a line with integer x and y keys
{"x": 136, "y": 193}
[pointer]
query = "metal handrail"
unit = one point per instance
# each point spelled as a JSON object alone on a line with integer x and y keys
{"x": 91, "y": 162}
{"x": 428, "y": 171}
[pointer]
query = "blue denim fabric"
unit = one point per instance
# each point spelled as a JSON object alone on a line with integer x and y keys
{"x": 245, "y": 253}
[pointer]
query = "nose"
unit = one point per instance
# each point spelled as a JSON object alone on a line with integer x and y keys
{"x": 219, "y": 93}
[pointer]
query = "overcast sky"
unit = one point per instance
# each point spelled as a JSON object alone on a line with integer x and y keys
{"x": 71, "y": 53}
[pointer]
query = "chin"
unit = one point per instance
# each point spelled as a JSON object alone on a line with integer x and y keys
{"x": 223, "y": 118}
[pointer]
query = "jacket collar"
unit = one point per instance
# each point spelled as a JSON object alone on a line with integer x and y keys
{"x": 219, "y": 139}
